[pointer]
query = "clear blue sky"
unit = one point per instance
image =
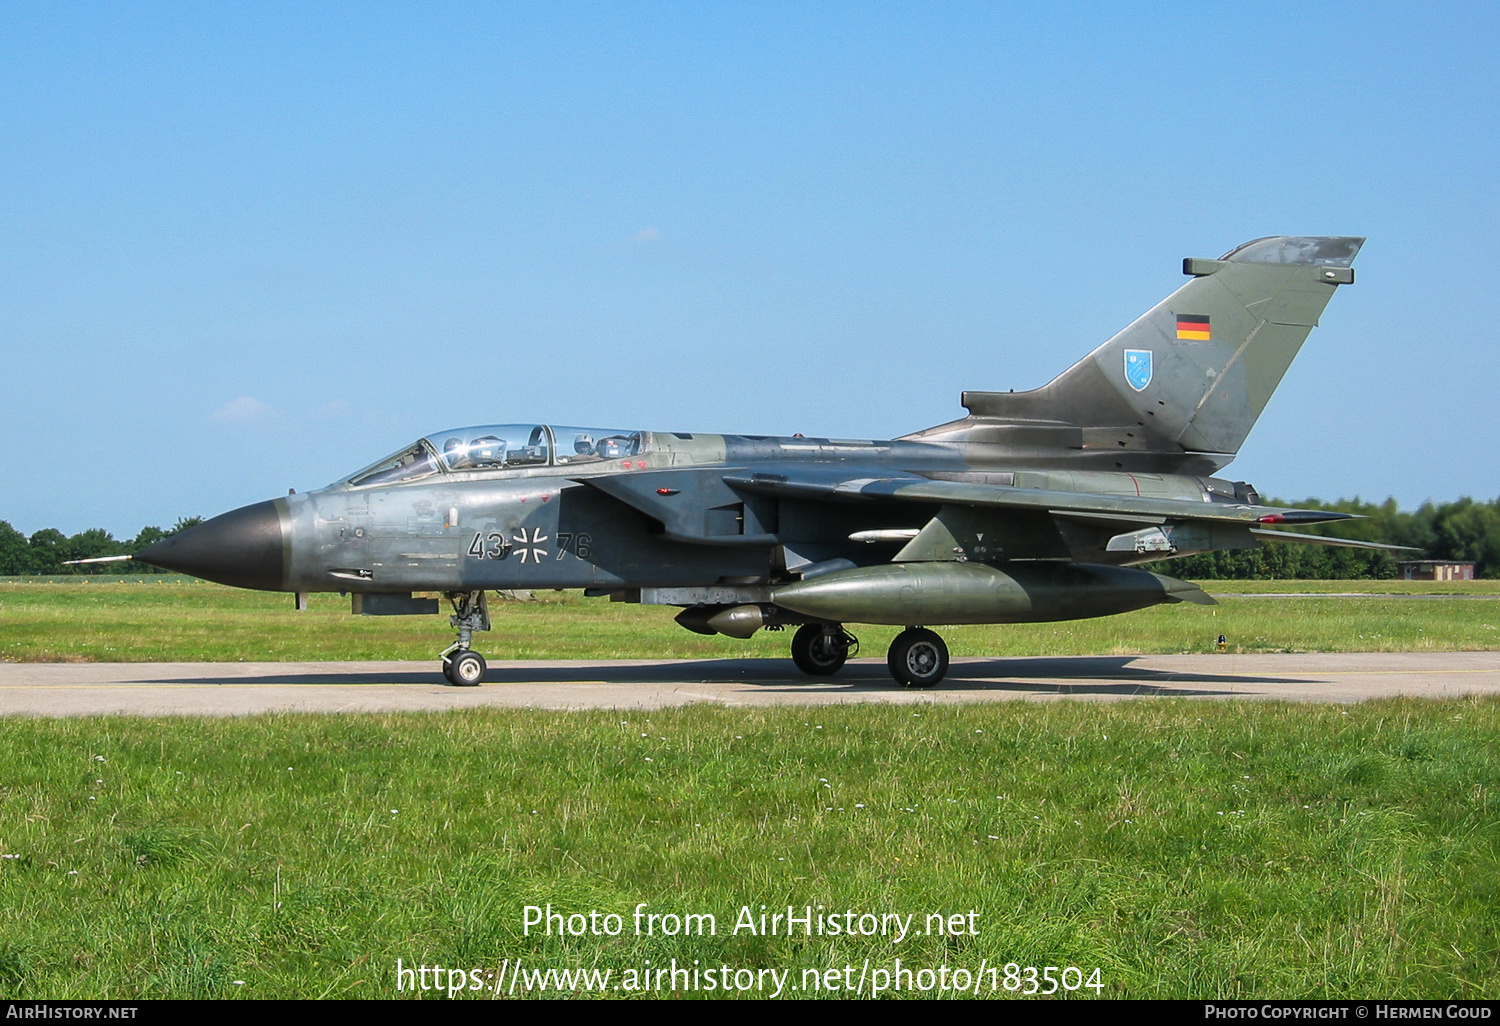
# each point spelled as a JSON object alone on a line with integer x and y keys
{"x": 246, "y": 247}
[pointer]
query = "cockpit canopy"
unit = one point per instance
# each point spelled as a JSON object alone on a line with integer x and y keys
{"x": 496, "y": 447}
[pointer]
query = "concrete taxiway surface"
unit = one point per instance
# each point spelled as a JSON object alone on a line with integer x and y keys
{"x": 235, "y": 689}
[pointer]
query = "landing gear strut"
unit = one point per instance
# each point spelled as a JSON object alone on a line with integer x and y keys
{"x": 918, "y": 658}
{"x": 463, "y": 667}
{"x": 821, "y": 649}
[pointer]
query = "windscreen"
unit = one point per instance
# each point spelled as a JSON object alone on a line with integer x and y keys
{"x": 413, "y": 462}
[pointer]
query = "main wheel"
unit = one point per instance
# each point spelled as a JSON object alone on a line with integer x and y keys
{"x": 918, "y": 658}
{"x": 820, "y": 649}
{"x": 466, "y": 669}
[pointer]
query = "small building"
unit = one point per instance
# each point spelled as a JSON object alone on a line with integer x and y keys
{"x": 1435, "y": 570}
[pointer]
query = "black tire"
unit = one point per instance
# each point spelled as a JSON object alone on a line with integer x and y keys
{"x": 820, "y": 649}
{"x": 918, "y": 658}
{"x": 466, "y": 669}
{"x": 448, "y": 671}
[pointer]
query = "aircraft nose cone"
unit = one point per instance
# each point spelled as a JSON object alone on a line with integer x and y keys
{"x": 243, "y": 548}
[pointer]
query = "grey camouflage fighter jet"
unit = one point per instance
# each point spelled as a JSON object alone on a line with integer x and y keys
{"x": 1032, "y": 508}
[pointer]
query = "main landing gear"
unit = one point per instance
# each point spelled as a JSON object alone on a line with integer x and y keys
{"x": 917, "y": 658}
{"x": 463, "y": 667}
{"x": 821, "y": 649}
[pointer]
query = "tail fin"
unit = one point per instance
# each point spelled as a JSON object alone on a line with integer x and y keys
{"x": 1196, "y": 370}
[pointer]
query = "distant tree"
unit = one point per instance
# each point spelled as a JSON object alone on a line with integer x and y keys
{"x": 47, "y": 551}
{"x": 148, "y": 536}
{"x": 1464, "y": 530}
{"x": 91, "y": 544}
{"x": 1469, "y": 531}
{"x": 15, "y": 552}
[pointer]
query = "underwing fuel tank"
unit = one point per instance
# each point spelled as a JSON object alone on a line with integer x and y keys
{"x": 956, "y": 593}
{"x": 737, "y": 621}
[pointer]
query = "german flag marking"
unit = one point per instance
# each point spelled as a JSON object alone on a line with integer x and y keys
{"x": 1194, "y": 327}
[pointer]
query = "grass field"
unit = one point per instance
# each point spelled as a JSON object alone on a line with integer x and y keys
{"x": 177, "y": 619}
{"x": 1181, "y": 848}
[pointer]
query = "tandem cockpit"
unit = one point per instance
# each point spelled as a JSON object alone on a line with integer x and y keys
{"x": 499, "y": 448}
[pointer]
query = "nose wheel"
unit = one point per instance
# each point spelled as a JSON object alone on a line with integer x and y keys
{"x": 463, "y": 667}
{"x": 918, "y": 658}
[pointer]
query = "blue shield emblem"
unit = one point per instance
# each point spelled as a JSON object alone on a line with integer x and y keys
{"x": 1138, "y": 368}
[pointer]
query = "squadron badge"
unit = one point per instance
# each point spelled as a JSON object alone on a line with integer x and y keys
{"x": 1138, "y": 368}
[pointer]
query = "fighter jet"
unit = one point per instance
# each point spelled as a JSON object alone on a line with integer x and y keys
{"x": 1034, "y": 507}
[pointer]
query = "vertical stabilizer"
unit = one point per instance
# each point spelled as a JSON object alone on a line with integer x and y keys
{"x": 1196, "y": 370}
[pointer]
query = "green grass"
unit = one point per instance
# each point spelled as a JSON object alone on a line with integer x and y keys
{"x": 1360, "y": 587}
{"x": 1184, "y": 848}
{"x": 177, "y": 619}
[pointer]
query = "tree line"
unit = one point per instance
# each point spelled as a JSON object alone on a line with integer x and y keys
{"x": 46, "y": 551}
{"x": 1464, "y": 530}
{"x": 1461, "y": 531}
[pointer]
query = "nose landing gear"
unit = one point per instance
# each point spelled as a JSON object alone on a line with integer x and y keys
{"x": 461, "y": 666}
{"x": 465, "y": 669}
